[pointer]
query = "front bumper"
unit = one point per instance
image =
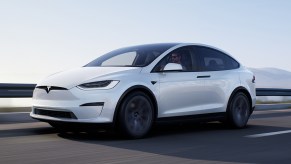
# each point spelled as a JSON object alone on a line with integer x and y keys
{"x": 74, "y": 105}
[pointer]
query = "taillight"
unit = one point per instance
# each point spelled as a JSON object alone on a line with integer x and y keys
{"x": 254, "y": 79}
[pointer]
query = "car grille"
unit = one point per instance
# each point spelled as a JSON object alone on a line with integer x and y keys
{"x": 58, "y": 114}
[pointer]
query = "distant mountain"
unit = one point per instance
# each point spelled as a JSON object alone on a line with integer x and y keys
{"x": 272, "y": 78}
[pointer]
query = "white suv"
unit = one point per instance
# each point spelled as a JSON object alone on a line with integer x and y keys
{"x": 133, "y": 87}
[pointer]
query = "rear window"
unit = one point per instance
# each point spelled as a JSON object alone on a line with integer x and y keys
{"x": 214, "y": 60}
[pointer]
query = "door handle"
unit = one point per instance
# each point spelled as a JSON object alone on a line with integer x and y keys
{"x": 204, "y": 76}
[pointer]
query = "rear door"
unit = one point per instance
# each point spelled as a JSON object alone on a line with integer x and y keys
{"x": 221, "y": 76}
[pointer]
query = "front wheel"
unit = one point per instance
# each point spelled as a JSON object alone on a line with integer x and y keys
{"x": 239, "y": 110}
{"x": 136, "y": 115}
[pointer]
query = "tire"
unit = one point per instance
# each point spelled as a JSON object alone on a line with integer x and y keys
{"x": 239, "y": 110}
{"x": 136, "y": 115}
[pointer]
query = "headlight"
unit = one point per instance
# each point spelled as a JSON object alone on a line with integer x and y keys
{"x": 106, "y": 84}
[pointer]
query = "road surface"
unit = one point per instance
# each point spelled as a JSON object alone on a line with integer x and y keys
{"x": 267, "y": 139}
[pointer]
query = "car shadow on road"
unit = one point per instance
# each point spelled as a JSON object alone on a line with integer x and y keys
{"x": 159, "y": 130}
{"x": 206, "y": 141}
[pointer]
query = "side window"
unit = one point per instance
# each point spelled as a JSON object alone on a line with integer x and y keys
{"x": 183, "y": 56}
{"x": 214, "y": 60}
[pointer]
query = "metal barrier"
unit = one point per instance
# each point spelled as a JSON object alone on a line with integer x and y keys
{"x": 8, "y": 90}
{"x": 273, "y": 92}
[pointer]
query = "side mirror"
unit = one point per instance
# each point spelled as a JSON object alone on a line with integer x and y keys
{"x": 173, "y": 67}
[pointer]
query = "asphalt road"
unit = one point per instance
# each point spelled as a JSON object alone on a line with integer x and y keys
{"x": 23, "y": 140}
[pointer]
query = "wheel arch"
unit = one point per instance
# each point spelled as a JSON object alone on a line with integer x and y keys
{"x": 132, "y": 89}
{"x": 243, "y": 90}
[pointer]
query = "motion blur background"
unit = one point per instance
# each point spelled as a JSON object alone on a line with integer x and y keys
{"x": 39, "y": 38}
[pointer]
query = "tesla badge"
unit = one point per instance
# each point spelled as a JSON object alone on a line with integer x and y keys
{"x": 48, "y": 89}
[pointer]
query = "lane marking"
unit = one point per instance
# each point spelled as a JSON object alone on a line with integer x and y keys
{"x": 268, "y": 134}
{"x": 272, "y": 111}
{"x": 12, "y": 112}
{"x": 28, "y": 125}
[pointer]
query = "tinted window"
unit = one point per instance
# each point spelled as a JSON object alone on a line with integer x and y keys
{"x": 183, "y": 56}
{"x": 214, "y": 60}
{"x": 136, "y": 56}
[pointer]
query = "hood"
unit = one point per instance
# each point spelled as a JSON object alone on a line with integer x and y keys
{"x": 71, "y": 78}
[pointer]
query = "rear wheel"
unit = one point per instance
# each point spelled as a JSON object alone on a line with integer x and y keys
{"x": 239, "y": 110}
{"x": 136, "y": 115}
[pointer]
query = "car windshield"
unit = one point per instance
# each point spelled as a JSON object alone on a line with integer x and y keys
{"x": 136, "y": 56}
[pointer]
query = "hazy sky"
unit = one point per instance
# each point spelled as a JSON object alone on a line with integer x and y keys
{"x": 40, "y": 37}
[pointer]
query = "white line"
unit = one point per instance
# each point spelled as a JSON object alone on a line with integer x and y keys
{"x": 12, "y": 112}
{"x": 269, "y": 134}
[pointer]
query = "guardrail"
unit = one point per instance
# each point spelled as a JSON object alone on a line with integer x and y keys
{"x": 8, "y": 90}
{"x": 273, "y": 92}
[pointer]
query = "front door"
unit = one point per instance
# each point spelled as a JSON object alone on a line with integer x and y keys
{"x": 181, "y": 92}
